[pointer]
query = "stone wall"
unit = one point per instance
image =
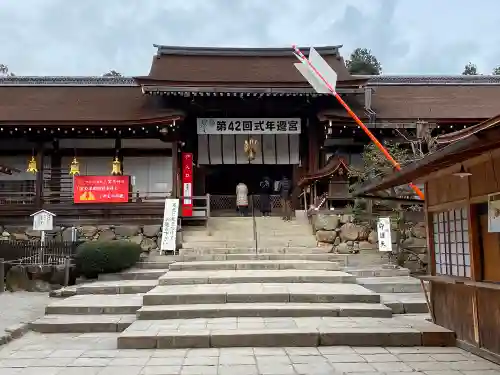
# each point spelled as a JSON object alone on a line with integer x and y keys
{"x": 148, "y": 236}
{"x": 344, "y": 236}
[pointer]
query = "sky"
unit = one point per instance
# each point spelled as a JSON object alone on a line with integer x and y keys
{"x": 92, "y": 37}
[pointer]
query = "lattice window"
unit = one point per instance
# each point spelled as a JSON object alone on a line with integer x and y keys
{"x": 451, "y": 242}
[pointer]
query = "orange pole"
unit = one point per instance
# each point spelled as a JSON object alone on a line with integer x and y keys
{"x": 358, "y": 121}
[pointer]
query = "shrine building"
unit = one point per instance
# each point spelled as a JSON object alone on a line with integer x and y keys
{"x": 229, "y": 115}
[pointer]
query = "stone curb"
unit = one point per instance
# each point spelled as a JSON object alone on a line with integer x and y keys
{"x": 14, "y": 332}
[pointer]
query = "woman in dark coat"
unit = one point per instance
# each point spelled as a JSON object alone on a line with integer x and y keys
{"x": 266, "y": 189}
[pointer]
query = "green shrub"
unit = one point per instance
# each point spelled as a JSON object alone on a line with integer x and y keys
{"x": 95, "y": 257}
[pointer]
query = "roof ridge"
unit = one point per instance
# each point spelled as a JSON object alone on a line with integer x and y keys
{"x": 431, "y": 79}
{"x": 66, "y": 81}
{"x": 241, "y": 51}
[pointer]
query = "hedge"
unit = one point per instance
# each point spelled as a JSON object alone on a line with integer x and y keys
{"x": 95, "y": 257}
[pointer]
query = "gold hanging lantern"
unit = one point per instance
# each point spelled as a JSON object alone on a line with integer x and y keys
{"x": 251, "y": 148}
{"x": 74, "y": 167}
{"x": 32, "y": 166}
{"x": 117, "y": 167}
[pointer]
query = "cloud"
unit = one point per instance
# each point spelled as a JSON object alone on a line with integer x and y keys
{"x": 58, "y": 37}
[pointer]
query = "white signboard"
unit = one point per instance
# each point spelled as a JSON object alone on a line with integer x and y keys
{"x": 494, "y": 213}
{"x": 43, "y": 220}
{"x": 169, "y": 227}
{"x": 248, "y": 125}
{"x": 187, "y": 192}
{"x": 384, "y": 234}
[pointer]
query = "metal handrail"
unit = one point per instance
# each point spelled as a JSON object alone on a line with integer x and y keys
{"x": 254, "y": 223}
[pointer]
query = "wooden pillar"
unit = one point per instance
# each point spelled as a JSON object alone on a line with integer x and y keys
{"x": 475, "y": 259}
{"x": 55, "y": 173}
{"x": 295, "y": 181}
{"x": 118, "y": 147}
{"x": 313, "y": 154}
{"x": 40, "y": 156}
{"x": 431, "y": 254}
{"x": 175, "y": 167}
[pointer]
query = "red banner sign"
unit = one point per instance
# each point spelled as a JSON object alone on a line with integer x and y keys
{"x": 101, "y": 189}
{"x": 187, "y": 183}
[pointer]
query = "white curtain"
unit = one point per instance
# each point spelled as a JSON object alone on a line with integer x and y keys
{"x": 151, "y": 175}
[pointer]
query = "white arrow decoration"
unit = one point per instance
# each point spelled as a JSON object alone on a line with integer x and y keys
{"x": 321, "y": 67}
{"x": 312, "y": 78}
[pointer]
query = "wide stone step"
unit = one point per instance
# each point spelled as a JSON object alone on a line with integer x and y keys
{"x": 117, "y": 287}
{"x": 405, "y": 303}
{"x": 55, "y": 323}
{"x": 255, "y": 276}
{"x": 292, "y": 234}
{"x": 330, "y": 257}
{"x": 255, "y": 265}
{"x": 134, "y": 274}
{"x": 96, "y": 304}
{"x": 247, "y": 250}
{"x": 162, "y": 263}
{"x": 259, "y": 293}
{"x": 377, "y": 271}
{"x": 395, "y": 284}
{"x": 281, "y": 241}
{"x": 160, "y": 312}
{"x": 282, "y": 332}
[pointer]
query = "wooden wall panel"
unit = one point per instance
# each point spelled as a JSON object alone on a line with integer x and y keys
{"x": 488, "y": 306}
{"x": 452, "y": 306}
{"x": 446, "y": 189}
{"x": 485, "y": 178}
{"x": 431, "y": 193}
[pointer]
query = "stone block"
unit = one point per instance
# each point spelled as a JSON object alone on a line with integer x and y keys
{"x": 173, "y": 299}
{"x": 127, "y": 230}
{"x": 81, "y": 323}
{"x": 106, "y": 235}
{"x": 264, "y": 338}
{"x": 443, "y": 338}
{"x": 396, "y": 307}
{"x": 415, "y": 307}
{"x": 257, "y": 297}
{"x": 137, "y": 340}
{"x": 151, "y": 230}
{"x": 325, "y": 221}
{"x": 180, "y": 340}
{"x": 369, "y": 336}
{"x": 257, "y": 265}
{"x": 334, "y": 298}
{"x": 365, "y": 310}
{"x": 326, "y": 236}
{"x": 117, "y": 287}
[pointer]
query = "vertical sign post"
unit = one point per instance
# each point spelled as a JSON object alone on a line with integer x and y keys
{"x": 187, "y": 184}
{"x": 169, "y": 227}
{"x": 384, "y": 234}
{"x": 43, "y": 220}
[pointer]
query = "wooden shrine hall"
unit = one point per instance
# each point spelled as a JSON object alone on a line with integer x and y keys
{"x": 236, "y": 114}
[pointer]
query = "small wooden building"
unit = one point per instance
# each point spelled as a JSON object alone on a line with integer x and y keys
{"x": 462, "y": 183}
{"x": 331, "y": 181}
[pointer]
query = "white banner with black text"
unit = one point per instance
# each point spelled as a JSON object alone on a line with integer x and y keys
{"x": 248, "y": 126}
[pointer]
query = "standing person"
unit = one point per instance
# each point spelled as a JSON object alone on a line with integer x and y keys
{"x": 285, "y": 190}
{"x": 242, "y": 199}
{"x": 265, "y": 196}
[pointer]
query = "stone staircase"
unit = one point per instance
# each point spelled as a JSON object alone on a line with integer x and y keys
{"x": 221, "y": 292}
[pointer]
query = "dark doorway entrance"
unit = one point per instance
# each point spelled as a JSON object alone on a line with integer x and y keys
{"x": 221, "y": 181}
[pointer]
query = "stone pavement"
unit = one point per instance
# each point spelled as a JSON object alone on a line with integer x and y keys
{"x": 95, "y": 354}
{"x": 18, "y": 309}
